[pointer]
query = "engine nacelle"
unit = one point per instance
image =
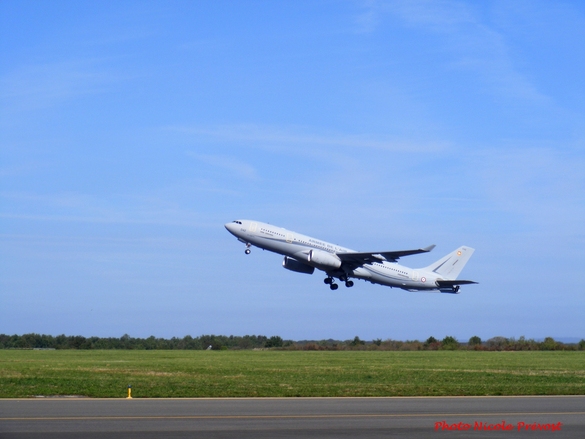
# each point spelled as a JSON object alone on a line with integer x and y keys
{"x": 324, "y": 259}
{"x": 294, "y": 265}
{"x": 450, "y": 289}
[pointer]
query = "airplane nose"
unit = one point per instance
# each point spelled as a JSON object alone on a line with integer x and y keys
{"x": 231, "y": 227}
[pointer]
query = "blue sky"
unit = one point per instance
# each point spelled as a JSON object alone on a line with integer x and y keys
{"x": 130, "y": 132}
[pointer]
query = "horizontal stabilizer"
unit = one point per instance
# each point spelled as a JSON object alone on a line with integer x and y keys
{"x": 452, "y": 283}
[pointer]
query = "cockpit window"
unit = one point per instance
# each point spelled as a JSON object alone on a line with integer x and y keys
{"x": 237, "y": 222}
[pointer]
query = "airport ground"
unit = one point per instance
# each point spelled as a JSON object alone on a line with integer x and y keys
{"x": 291, "y": 386}
{"x": 157, "y": 374}
{"x": 258, "y": 418}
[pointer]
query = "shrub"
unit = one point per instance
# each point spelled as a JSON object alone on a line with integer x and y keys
{"x": 432, "y": 343}
{"x": 497, "y": 343}
{"x": 549, "y": 344}
{"x": 449, "y": 343}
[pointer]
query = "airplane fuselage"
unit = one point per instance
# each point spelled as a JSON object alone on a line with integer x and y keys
{"x": 304, "y": 254}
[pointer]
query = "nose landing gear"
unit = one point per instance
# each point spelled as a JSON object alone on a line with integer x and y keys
{"x": 247, "y": 251}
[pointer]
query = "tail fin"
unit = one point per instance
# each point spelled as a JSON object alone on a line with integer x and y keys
{"x": 451, "y": 265}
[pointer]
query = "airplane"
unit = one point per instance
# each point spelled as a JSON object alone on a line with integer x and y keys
{"x": 303, "y": 254}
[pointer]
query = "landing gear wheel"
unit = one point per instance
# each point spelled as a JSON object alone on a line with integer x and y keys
{"x": 328, "y": 280}
{"x": 333, "y": 286}
{"x": 349, "y": 283}
{"x": 247, "y": 251}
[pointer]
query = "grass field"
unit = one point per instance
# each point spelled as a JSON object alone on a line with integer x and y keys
{"x": 25, "y": 373}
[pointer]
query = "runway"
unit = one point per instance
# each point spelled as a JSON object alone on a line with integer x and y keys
{"x": 556, "y": 416}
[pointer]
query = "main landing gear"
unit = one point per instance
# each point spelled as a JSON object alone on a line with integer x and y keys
{"x": 331, "y": 282}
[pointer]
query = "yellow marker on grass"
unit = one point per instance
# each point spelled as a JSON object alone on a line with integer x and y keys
{"x": 129, "y": 392}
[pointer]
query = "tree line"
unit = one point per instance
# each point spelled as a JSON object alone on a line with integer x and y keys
{"x": 216, "y": 342}
{"x": 222, "y": 342}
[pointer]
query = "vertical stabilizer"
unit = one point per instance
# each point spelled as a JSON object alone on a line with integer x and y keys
{"x": 451, "y": 265}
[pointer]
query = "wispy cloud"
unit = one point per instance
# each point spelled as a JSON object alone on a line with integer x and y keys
{"x": 468, "y": 41}
{"x": 111, "y": 209}
{"x": 544, "y": 186}
{"x": 298, "y": 139}
{"x": 39, "y": 86}
{"x": 228, "y": 163}
{"x": 21, "y": 169}
{"x": 369, "y": 18}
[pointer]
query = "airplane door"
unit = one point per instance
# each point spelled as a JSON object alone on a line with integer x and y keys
{"x": 289, "y": 237}
{"x": 415, "y": 276}
{"x": 253, "y": 227}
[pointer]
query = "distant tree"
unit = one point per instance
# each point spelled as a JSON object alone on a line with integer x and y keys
{"x": 581, "y": 345}
{"x": 274, "y": 342}
{"x": 449, "y": 343}
{"x": 244, "y": 342}
{"x": 549, "y": 344}
{"x": 474, "y": 341}
{"x": 356, "y": 341}
{"x": 76, "y": 342}
{"x": 431, "y": 343}
{"x": 377, "y": 341}
{"x": 497, "y": 343}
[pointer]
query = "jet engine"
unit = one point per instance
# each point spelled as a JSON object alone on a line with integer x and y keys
{"x": 294, "y": 265}
{"x": 324, "y": 259}
{"x": 451, "y": 290}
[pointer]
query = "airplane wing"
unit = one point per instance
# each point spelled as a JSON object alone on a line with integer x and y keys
{"x": 392, "y": 256}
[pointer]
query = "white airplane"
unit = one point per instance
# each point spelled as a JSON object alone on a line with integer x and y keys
{"x": 303, "y": 254}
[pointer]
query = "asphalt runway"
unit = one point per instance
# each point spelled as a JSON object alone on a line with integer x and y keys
{"x": 554, "y": 417}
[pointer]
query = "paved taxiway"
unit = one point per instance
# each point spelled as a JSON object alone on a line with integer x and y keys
{"x": 287, "y": 417}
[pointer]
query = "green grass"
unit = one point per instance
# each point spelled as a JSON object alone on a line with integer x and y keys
{"x": 25, "y": 373}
